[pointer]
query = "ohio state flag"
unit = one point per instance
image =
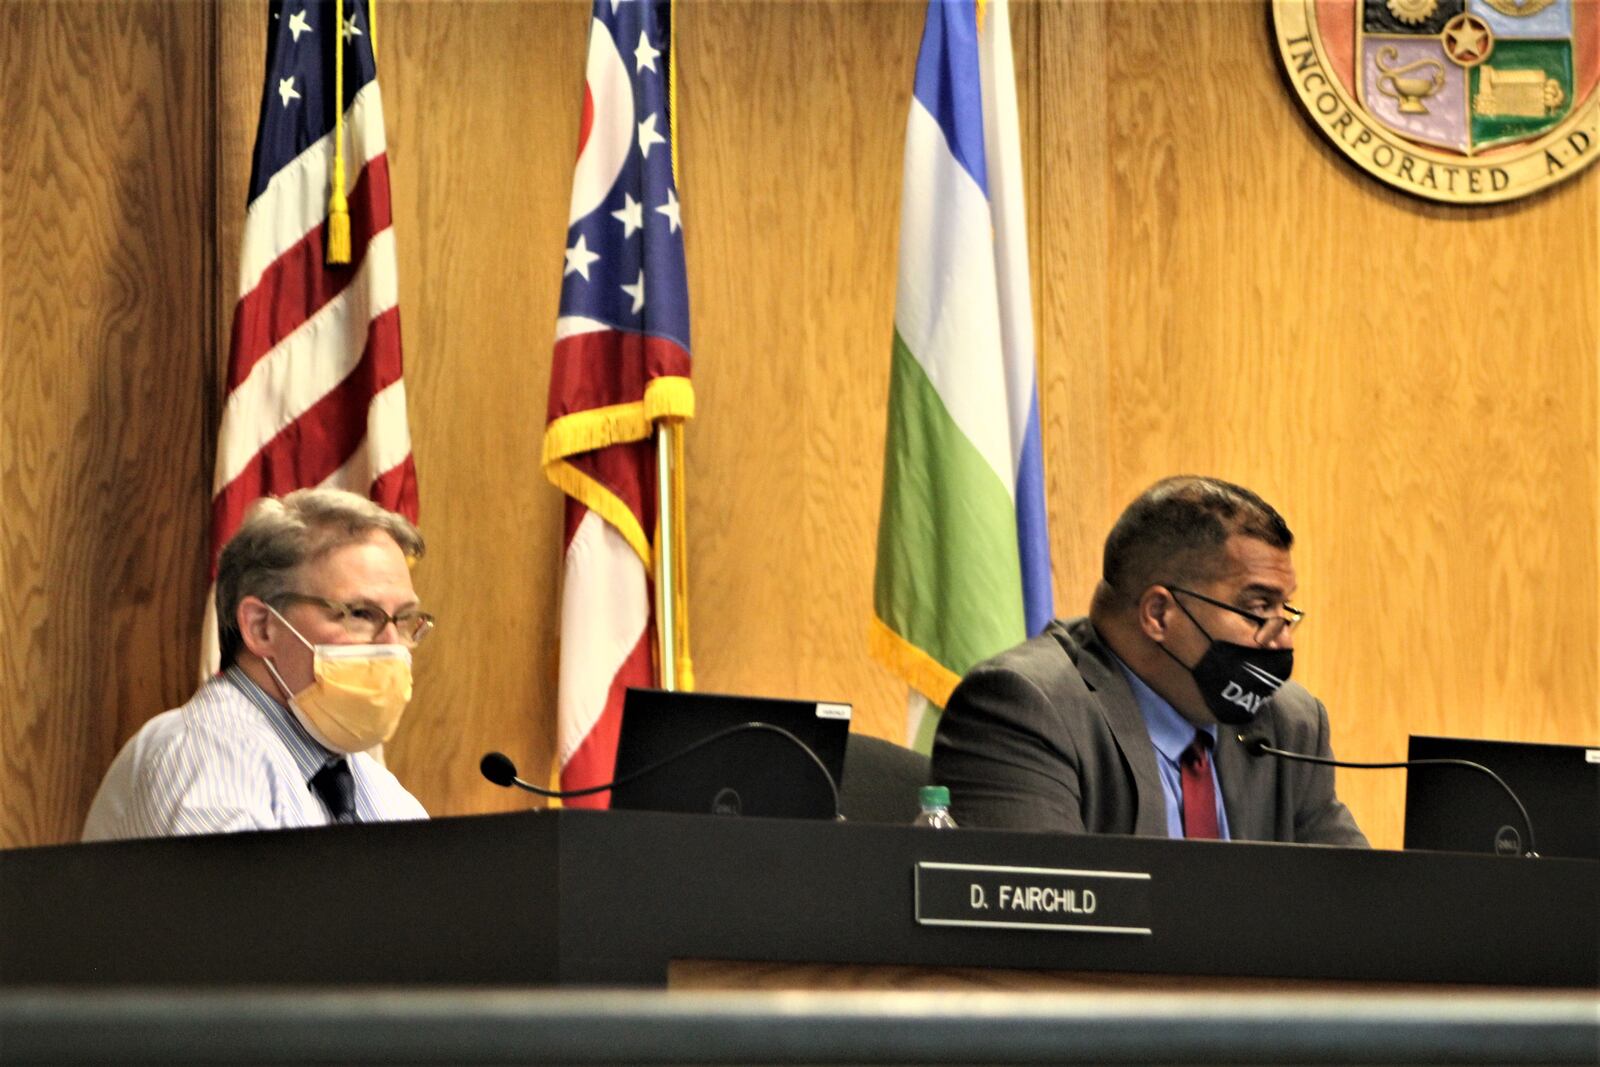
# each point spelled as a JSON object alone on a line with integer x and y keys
{"x": 621, "y": 363}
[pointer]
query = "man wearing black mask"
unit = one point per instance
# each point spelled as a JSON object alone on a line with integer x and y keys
{"x": 1128, "y": 721}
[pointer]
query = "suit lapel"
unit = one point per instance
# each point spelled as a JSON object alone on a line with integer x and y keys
{"x": 1129, "y": 729}
{"x": 1247, "y": 783}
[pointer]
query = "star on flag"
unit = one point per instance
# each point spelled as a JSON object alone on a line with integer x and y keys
{"x": 648, "y": 136}
{"x": 579, "y": 257}
{"x": 631, "y": 215}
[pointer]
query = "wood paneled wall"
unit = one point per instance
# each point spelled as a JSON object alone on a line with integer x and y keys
{"x": 1416, "y": 387}
{"x": 107, "y": 268}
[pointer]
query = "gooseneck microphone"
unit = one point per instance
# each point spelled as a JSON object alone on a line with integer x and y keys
{"x": 498, "y": 768}
{"x": 1257, "y": 746}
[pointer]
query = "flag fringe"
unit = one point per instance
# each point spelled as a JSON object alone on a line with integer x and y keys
{"x": 918, "y": 669}
{"x": 603, "y": 502}
{"x": 667, "y": 397}
{"x": 670, "y": 396}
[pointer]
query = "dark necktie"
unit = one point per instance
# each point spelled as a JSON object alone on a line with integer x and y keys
{"x": 337, "y": 788}
{"x": 1199, "y": 793}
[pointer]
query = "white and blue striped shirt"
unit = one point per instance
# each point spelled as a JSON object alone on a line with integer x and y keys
{"x": 230, "y": 759}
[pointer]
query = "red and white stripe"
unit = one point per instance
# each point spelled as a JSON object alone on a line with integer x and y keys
{"x": 606, "y": 640}
{"x": 315, "y": 389}
{"x": 607, "y": 599}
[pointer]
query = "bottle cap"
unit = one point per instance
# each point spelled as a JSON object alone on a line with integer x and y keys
{"x": 934, "y": 796}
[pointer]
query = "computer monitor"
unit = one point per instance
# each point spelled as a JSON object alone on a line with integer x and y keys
{"x": 748, "y": 772}
{"x": 1456, "y": 809}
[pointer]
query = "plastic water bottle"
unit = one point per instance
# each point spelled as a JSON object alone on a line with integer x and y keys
{"x": 935, "y": 813}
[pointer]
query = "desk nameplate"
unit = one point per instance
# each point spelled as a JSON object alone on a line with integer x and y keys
{"x": 1033, "y": 898}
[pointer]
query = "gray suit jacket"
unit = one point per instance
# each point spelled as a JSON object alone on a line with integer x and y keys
{"x": 1047, "y": 736}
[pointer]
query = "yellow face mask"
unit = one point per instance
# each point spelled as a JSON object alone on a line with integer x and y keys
{"x": 357, "y": 695}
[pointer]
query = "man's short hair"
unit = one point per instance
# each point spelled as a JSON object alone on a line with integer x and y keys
{"x": 278, "y": 535}
{"x": 1175, "y": 531}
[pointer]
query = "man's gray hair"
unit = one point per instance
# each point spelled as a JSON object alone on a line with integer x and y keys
{"x": 280, "y": 534}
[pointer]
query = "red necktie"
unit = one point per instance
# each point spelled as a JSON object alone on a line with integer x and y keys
{"x": 1199, "y": 793}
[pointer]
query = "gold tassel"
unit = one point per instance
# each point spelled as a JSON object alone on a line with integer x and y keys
{"x": 338, "y": 252}
{"x": 338, "y": 221}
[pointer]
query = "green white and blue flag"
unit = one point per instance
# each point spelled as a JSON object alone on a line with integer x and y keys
{"x": 963, "y": 567}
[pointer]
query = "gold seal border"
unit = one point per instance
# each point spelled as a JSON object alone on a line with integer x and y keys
{"x": 1434, "y": 175}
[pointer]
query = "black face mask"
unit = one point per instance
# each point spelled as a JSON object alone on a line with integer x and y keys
{"x": 1236, "y": 680}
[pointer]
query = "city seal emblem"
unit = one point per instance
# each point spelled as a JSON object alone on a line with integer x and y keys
{"x": 1462, "y": 101}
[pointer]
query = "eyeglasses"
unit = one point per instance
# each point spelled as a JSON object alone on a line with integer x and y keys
{"x": 365, "y": 621}
{"x": 1268, "y": 627}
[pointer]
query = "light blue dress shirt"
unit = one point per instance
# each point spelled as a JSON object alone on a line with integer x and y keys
{"x": 1171, "y": 734}
{"x": 230, "y": 759}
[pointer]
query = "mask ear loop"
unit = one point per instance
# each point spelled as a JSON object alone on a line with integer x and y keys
{"x": 276, "y": 677}
{"x": 290, "y": 626}
{"x": 1183, "y": 609}
{"x": 1209, "y": 639}
{"x": 288, "y": 696}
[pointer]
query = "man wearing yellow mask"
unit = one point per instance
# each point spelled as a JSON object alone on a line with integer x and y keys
{"x": 318, "y": 619}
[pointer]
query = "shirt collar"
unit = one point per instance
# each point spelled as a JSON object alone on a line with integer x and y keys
{"x": 1170, "y": 732}
{"x": 308, "y": 755}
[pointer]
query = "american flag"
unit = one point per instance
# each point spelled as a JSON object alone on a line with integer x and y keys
{"x": 315, "y": 394}
{"x": 621, "y": 362}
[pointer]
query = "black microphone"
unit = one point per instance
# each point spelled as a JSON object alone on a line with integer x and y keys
{"x": 498, "y": 768}
{"x": 1257, "y": 746}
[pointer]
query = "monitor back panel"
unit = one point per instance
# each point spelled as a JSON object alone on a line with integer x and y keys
{"x": 750, "y": 772}
{"x": 1456, "y": 809}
